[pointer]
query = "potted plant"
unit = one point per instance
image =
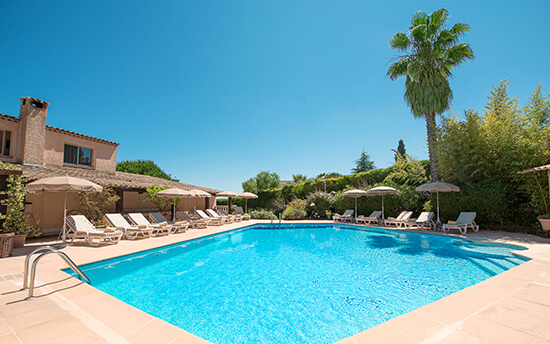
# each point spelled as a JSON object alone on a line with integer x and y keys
{"x": 15, "y": 220}
{"x": 544, "y": 221}
{"x": 329, "y": 215}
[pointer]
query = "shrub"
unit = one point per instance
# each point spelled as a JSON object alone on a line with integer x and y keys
{"x": 261, "y": 214}
{"x": 296, "y": 210}
{"x": 318, "y": 203}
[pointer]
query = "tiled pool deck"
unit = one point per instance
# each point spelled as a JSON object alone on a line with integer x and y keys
{"x": 513, "y": 307}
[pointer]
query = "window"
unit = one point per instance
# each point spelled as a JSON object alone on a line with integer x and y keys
{"x": 5, "y": 136}
{"x": 75, "y": 155}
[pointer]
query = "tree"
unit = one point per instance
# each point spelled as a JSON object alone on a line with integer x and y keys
{"x": 262, "y": 182}
{"x": 160, "y": 202}
{"x": 400, "y": 152}
{"x": 298, "y": 178}
{"x": 431, "y": 52}
{"x": 147, "y": 167}
{"x": 363, "y": 164}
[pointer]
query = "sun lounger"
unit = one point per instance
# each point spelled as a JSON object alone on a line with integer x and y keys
{"x": 211, "y": 213}
{"x": 177, "y": 226}
{"x": 193, "y": 223}
{"x": 347, "y": 216}
{"x": 81, "y": 228}
{"x": 158, "y": 228}
{"x": 214, "y": 221}
{"x": 400, "y": 220}
{"x": 239, "y": 211}
{"x": 235, "y": 218}
{"x": 423, "y": 221}
{"x": 465, "y": 220}
{"x": 373, "y": 218}
{"x": 131, "y": 232}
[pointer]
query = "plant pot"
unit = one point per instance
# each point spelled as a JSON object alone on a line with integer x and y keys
{"x": 329, "y": 216}
{"x": 545, "y": 223}
{"x": 6, "y": 244}
{"x": 19, "y": 240}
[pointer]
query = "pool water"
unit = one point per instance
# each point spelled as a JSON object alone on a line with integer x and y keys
{"x": 296, "y": 283}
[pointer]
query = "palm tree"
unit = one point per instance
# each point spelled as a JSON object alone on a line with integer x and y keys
{"x": 431, "y": 52}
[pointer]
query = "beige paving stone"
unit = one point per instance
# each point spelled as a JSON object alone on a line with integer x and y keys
{"x": 416, "y": 326}
{"x": 10, "y": 339}
{"x": 451, "y": 309}
{"x": 515, "y": 319}
{"x": 494, "y": 333}
{"x": 536, "y": 293}
{"x": 382, "y": 333}
{"x": 545, "y": 334}
{"x": 118, "y": 316}
{"x": 156, "y": 331}
{"x": 37, "y": 317}
{"x": 544, "y": 279}
{"x": 540, "y": 341}
{"x": 82, "y": 335}
{"x": 4, "y": 327}
{"x": 48, "y": 331}
{"x": 533, "y": 309}
{"x": 459, "y": 337}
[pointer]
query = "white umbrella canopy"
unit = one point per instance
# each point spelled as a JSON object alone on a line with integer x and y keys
{"x": 383, "y": 190}
{"x": 229, "y": 195}
{"x": 438, "y": 187}
{"x": 199, "y": 194}
{"x": 355, "y": 193}
{"x": 64, "y": 183}
{"x": 246, "y": 196}
{"x": 175, "y": 193}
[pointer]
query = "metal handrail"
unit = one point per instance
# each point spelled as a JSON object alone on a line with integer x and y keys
{"x": 27, "y": 260}
{"x": 66, "y": 258}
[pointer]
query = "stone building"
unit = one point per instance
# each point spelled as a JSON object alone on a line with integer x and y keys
{"x": 44, "y": 151}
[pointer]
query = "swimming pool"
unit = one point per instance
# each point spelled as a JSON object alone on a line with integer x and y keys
{"x": 296, "y": 283}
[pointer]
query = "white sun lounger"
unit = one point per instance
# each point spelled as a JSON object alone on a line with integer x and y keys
{"x": 400, "y": 220}
{"x": 81, "y": 228}
{"x": 239, "y": 211}
{"x": 465, "y": 220}
{"x": 213, "y": 214}
{"x": 131, "y": 232}
{"x": 215, "y": 221}
{"x": 373, "y": 218}
{"x": 177, "y": 226}
{"x": 348, "y": 215}
{"x": 194, "y": 223}
{"x": 423, "y": 221}
{"x": 235, "y": 218}
{"x": 158, "y": 229}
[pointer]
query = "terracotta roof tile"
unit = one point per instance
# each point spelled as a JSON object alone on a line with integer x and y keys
{"x": 117, "y": 179}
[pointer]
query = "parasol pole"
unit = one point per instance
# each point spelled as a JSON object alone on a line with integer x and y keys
{"x": 65, "y": 220}
{"x": 438, "y": 221}
{"x": 382, "y": 207}
{"x": 355, "y": 209}
{"x": 246, "y": 205}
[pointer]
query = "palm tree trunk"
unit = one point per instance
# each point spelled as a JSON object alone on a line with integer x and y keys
{"x": 430, "y": 126}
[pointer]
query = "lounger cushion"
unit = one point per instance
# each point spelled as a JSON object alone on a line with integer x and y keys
{"x": 142, "y": 226}
{"x": 163, "y": 223}
{"x": 452, "y": 223}
{"x": 110, "y": 230}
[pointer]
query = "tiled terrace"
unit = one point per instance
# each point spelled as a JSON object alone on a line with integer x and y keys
{"x": 513, "y": 307}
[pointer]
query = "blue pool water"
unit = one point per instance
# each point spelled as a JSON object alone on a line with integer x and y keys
{"x": 296, "y": 283}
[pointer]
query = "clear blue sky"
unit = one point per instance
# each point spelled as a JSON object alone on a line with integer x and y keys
{"x": 216, "y": 91}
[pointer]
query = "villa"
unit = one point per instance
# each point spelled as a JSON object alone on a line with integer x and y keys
{"x": 44, "y": 151}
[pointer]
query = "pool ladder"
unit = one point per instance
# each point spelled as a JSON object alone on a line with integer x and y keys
{"x": 272, "y": 218}
{"x": 44, "y": 251}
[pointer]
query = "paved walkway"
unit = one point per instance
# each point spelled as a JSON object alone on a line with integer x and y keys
{"x": 513, "y": 307}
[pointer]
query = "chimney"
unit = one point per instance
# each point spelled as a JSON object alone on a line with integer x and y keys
{"x": 32, "y": 131}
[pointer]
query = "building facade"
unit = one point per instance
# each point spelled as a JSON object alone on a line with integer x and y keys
{"x": 43, "y": 151}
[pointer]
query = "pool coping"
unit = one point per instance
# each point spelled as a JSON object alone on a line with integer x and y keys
{"x": 481, "y": 313}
